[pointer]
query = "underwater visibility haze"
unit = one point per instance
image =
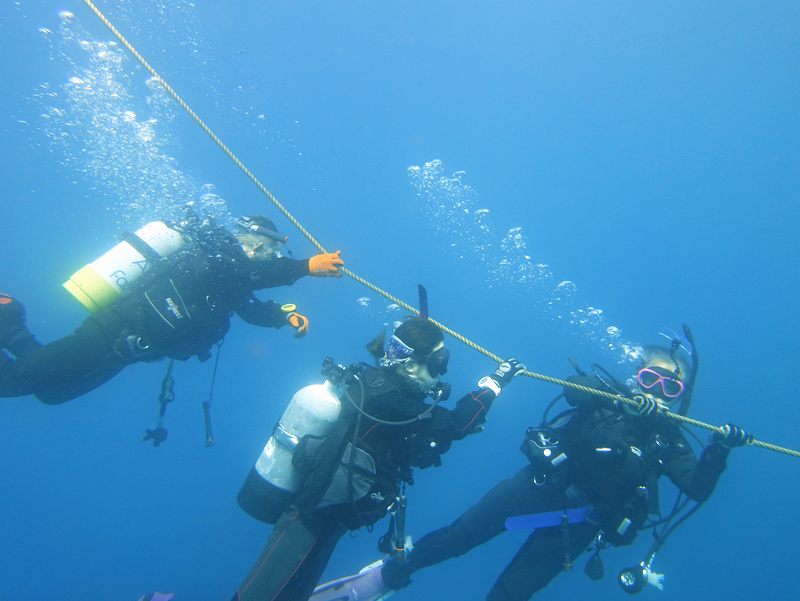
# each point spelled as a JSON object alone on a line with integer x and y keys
{"x": 566, "y": 180}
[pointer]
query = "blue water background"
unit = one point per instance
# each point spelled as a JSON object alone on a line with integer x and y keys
{"x": 648, "y": 151}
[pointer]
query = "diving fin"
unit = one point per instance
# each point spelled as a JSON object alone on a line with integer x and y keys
{"x": 367, "y": 585}
{"x": 157, "y": 597}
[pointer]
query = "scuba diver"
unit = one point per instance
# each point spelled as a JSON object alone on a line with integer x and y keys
{"x": 167, "y": 290}
{"x": 335, "y": 465}
{"x": 592, "y": 477}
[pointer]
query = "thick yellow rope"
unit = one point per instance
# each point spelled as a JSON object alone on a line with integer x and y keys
{"x": 273, "y": 199}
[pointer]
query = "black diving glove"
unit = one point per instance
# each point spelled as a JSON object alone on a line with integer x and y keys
{"x": 733, "y": 436}
{"x": 504, "y": 373}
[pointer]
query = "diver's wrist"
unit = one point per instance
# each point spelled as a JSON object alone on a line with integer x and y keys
{"x": 489, "y": 383}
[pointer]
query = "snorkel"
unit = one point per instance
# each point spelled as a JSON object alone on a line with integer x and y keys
{"x": 685, "y": 370}
{"x": 261, "y": 226}
{"x": 686, "y": 401}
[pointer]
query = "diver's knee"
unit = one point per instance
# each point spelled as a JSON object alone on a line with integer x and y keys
{"x": 54, "y": 397}
{"x": 457, "y": 538}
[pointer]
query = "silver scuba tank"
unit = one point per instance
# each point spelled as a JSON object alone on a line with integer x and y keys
{"x": 274, "y": 480}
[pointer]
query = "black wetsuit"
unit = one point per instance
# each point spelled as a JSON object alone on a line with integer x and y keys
{"x": 179, "y": 308}
{"x": 304, "y": 537}
{"x": 614, "y": 462}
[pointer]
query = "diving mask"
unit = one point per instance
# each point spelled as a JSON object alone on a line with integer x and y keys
{"x": 660, "y": 382}
{"x": 398, "y": 351}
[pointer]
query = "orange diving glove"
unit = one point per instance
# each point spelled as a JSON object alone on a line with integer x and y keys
{"x": 299, "y": 323}
{"x": 326, "y": 264}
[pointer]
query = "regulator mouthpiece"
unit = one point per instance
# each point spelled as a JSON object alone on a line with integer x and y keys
{"x": 440, "y": 392}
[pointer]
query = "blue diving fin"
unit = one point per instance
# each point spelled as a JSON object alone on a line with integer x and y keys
{"x": 548, "y": 519}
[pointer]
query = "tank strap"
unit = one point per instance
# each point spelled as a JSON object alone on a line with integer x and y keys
{"x": 142, "y": 247}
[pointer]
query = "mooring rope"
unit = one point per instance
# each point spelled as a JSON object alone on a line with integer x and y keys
{"x": 461, "y": 338}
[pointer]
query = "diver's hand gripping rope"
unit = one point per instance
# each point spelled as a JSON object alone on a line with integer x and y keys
{"x": 273, "y": 199}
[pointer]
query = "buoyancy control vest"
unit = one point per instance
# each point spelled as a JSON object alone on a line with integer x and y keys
{"x": 398, "y": 442}
{"x": 610, "y": 455}
{"x": 375, "y": 458}
{"x": 605, "y": 458}
{"x": 182, "y": 305}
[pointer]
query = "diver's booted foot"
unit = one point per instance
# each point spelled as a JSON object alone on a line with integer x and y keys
{"x": 14, "y": 334}
{"x": 10, "y": 310}
{"x": 367, "y": 585}
{"x": 12, "y": 318}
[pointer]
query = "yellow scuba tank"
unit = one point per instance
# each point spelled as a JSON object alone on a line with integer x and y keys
{"x": 274, "y": 480}
{"x": 102, "y": 281}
